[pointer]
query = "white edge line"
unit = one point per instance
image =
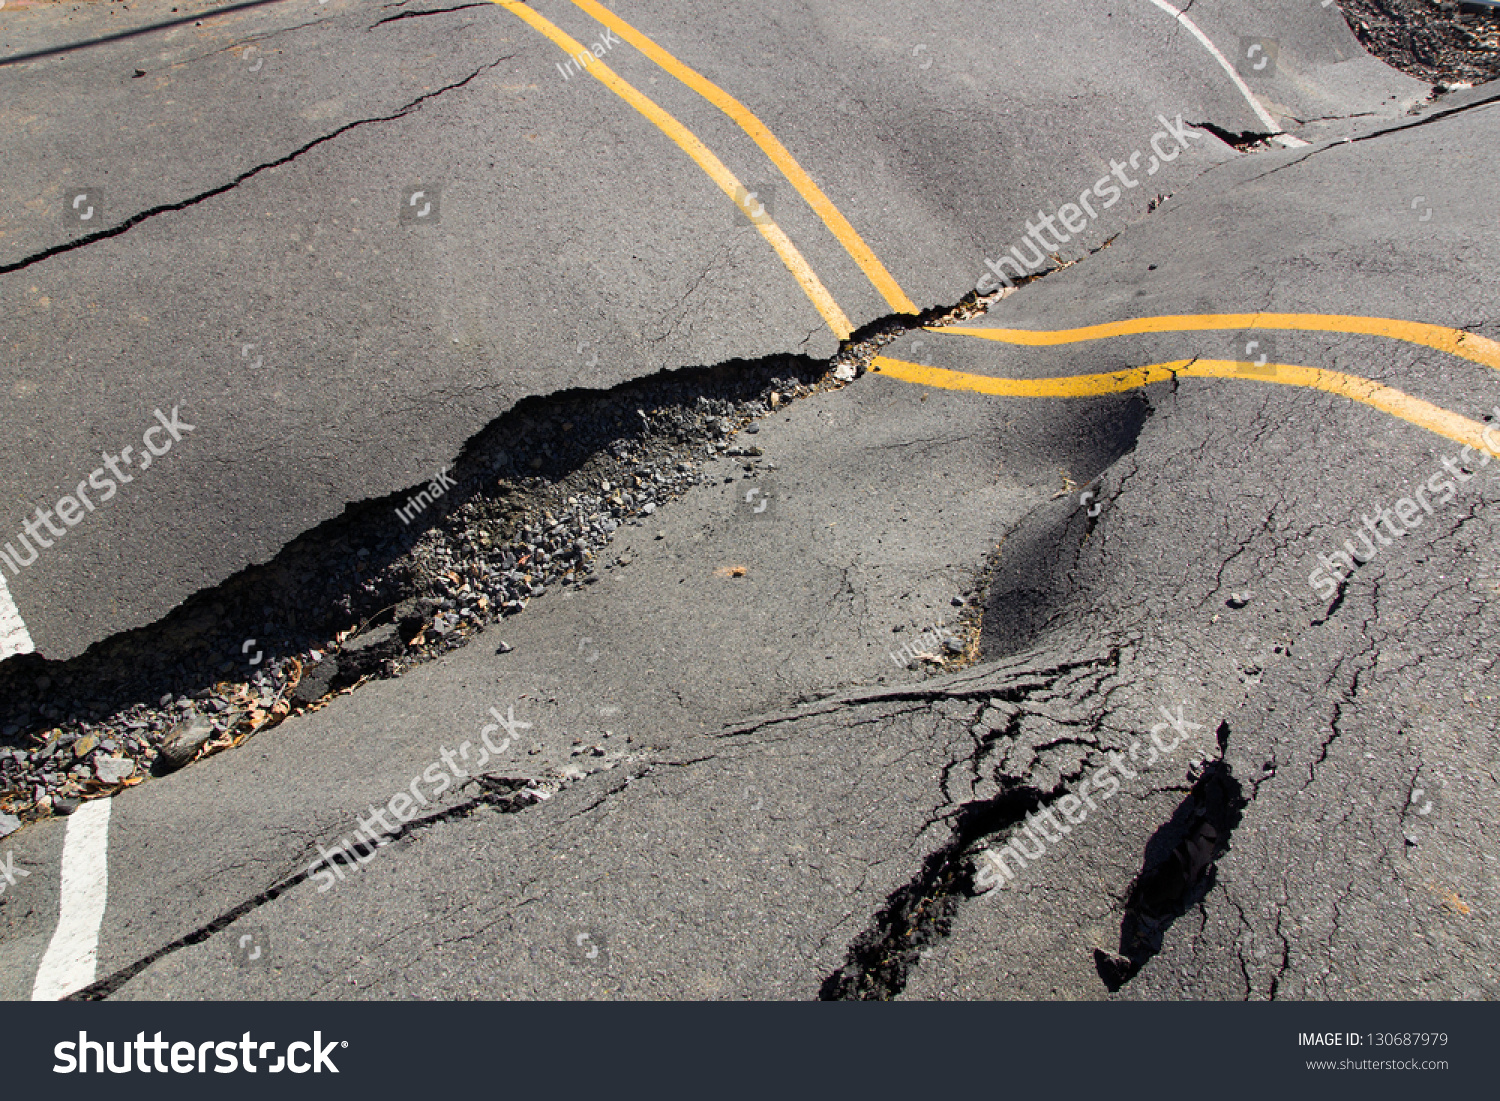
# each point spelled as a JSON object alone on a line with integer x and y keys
{"x": 73, "y": 955}
{"x": 14, "y": 638}
{"x": 1260, "y": 112}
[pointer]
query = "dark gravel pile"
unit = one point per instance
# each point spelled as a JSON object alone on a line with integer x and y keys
{"x": 1441, "y": 41}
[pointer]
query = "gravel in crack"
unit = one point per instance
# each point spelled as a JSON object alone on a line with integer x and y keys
{"x": 537, "y": 495}
{"x": 527, "y": 508}
{"x": 1441, "y": 41}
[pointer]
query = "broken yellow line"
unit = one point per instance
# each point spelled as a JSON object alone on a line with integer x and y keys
{"x": 1387, "y": 399}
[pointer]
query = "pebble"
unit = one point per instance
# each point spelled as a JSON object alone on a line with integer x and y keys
{"x": 185, "y": 739}
{"x": 111, "y": 770}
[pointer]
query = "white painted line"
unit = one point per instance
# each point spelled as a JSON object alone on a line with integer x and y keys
{"x": 73, "y": 955}
{"x": 14, "y": 638}
{"x": 1272, "y": 126}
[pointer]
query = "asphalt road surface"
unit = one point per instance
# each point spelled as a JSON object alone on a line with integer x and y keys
{"x": 1040, "y": 544}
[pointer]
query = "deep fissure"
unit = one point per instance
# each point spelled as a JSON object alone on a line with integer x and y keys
{"x": 1178, "y": 870}
{"x": 882, "y": 958}
{"x": 363, "y": 597}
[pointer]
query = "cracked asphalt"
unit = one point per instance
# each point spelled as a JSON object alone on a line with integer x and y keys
{"x": 1161, "y": 760}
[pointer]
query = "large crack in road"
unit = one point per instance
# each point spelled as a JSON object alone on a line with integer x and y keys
{"x": 534, "y": 502}
{"x": 1178, "y": 863}
{"x": 920, "y": 913}
{"x": 529, "y": 506}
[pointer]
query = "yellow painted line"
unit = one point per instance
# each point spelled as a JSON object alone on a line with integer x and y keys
{"x": 1387, "y": 399}
{"x": 812, "y": 286}
{"x": 837, "y": 224}
{"x": 1453, "y": 341}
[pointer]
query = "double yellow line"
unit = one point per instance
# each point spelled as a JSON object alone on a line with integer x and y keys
{"x": 1453, "y": 341}
{"x": 795, "y": 262}
{"x": 1377, "y": 395}
{"x": 860, "y": 252}
{"x": 1387, "y": 399}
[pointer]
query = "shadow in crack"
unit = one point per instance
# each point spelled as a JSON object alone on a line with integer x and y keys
{"x": 1031, "y": 574}
{"x": 372, "y": 592}
{"x": 881, "y": 959}
{"x": 1178, "y": 871}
